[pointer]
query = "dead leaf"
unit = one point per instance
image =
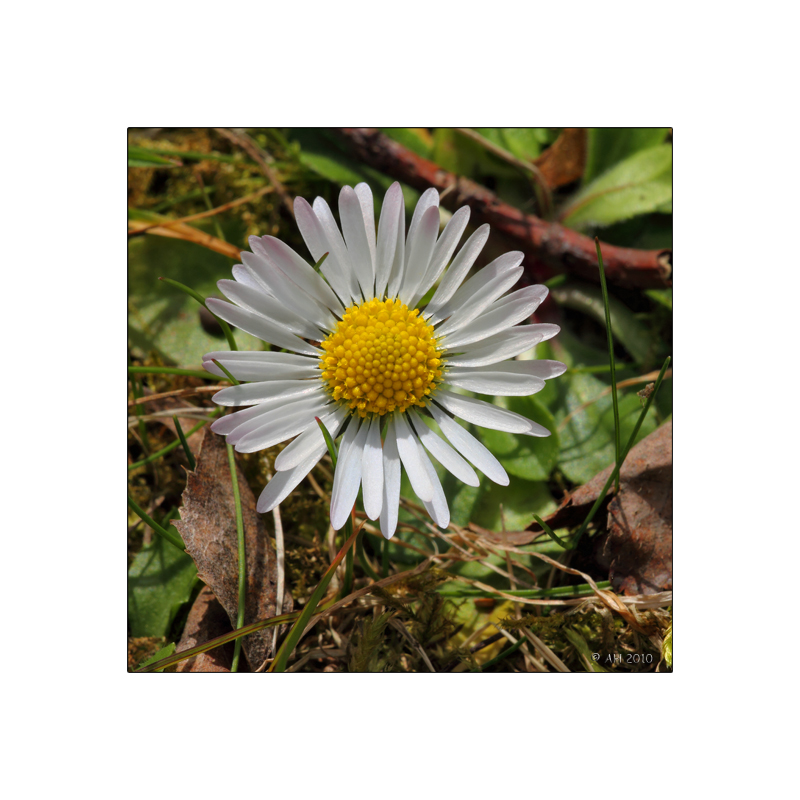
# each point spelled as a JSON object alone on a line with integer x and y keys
{"x": 179, "y": 230}
{"x": 208, "y": 527}
{"x": 638, "y": 547}
{"x": 564, "y": 161}
{"x": 207, "y": 620}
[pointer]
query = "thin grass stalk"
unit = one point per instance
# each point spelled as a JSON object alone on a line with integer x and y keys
{"x": 189, "y": 456}
{"x": 193, "y": 373}
{"x": 297, "y": 631}
{"x": 615, "y": 473}
{"x": 242, "y": 556}
{"x": 168, "y": 448}
{"x": 172, "y": 538}
{"x": 549, "y": 531}
{"x": 610, "y": 337}
{"x": 227, "y": 374}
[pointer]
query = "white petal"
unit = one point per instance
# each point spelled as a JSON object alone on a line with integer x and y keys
{"x": 278, "y": 489}
{"x": 472, "y": 449}
{"x": 458, "y": 269}
{"x": 293, "y": 297}
{"x": 314, "y": 236}
{"x": 260, "y": 327}
{"x": 299, "y": 272}
{"x": 514, "y": 378}
{"x": 270, "y": 412}
{"x": 502, "y": 346}
{"x": 421, "y": 243}
{"x": 429, "y": 199}
{"x": 355, "y": 236}
{"x": 443, "y": 252}
{"x": 437, "y": 508}
{"x": 372, "y": 470}
{"x": 413, "y": 459}
{"x": 336, "y": 245}
{"x": 391, "y": 482}
{"x": 387, "y": 236}
{"x": 248, "y": 394}
{"x": 398, "y": 269}
{"x": 309, "y": 440}
{"x": 501, "y": 316}
{"x": 269, "y": 307}
{"x": 230, "y": 422}
{"x": 486, "y": 415}
{"x": 347, "y": 477}
{"x": 256, "y": 371}
{"x": 364, "y": 194}
{"x": 442, "y": 452}
{"x": 479, "y": 292}
{"x": 294, "y": 421}
{"x": 242, "y": 274}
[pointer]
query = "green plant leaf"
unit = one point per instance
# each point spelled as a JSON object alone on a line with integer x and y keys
{"x": 640, "y": 184}
{"x": 515, "y": 503}
{"x": 141, "y": 157}
{"x": 528, "y": 457}
{"x": 608, "y": 146}
{"x": 160, "y": 581}
{"x": 165, "y": 651}
{"x": 418, "y": 140}
{"x": 163, "y": 320}
{"x": 587, "y": 439}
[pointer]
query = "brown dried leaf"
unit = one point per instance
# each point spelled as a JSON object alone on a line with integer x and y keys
{"x": 179, "y": 230}
{"x": 207, "y": 620}
{"x": 208, "y": 527}
{"x": 564, "y": 161}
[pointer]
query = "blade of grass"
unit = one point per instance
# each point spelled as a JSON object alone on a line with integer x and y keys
{"x": 227, "y": 374}
{"x": 615, "y": 472}
{"x": 546, "y": 528}
{"x": 179, "y": 429}
{"x": 192, "y": 373}
{"x": 242, "y": 555}
{"x": 200, "y": 299}
{"x": 171, "y": 537}
{"x": 289, "y": 644}
{"x": 610, "y": 337}
{"x": 170, "y": 447}
{"x": 220, "y": 640}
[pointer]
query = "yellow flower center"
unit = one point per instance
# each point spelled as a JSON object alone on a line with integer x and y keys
{"x": 381, "y": 358}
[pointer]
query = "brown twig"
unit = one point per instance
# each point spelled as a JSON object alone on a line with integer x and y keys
{"x": 550, "y": 246}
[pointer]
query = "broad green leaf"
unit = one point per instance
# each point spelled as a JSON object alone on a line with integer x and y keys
{"x": 162, "y": 319}
{"x": 525, "y": 143}
{"x": 528, "y": 457}
{"x": 608, "y": 146}
{"x": 640, "y": 184}
{"x": 587, "y": 439}
{"x": 628, "y": 330}
{"x": 515, "y": 503}
{"x": 418, "y": 140}
{"x": 160, "y": 581}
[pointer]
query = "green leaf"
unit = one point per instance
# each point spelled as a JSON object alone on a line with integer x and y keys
{"x": 160, "y": 581}
{"x": 640, "y": 184}
{"x": 515, "y": 503}
{"x": 168, "y": 650}
{"x": 626, "y": 328}
{"x": 608, "y": 146}
{"x": 418, "y": 140}
{"x": 525, "y": 143}
{"x": 528, "y": 457}
{"x": 587, "y": 440}
{"x": 165, "y": 321}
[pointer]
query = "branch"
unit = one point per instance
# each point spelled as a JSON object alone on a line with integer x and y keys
{"x": 548, "y": 244}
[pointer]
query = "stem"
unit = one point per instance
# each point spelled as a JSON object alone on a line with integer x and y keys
{"x": 242, "y": 557}
{"x": 168, "y": 448}
{"x": 610, "y": 354}
{"x": 194, "y": 373}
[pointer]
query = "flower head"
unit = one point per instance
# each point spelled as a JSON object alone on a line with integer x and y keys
{"x": 368, "y": 361}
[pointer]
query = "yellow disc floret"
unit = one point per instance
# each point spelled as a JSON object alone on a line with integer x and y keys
{"x": 382, "y": 357}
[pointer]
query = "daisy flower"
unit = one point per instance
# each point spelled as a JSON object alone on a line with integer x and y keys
{"x": 368, "y": 361}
